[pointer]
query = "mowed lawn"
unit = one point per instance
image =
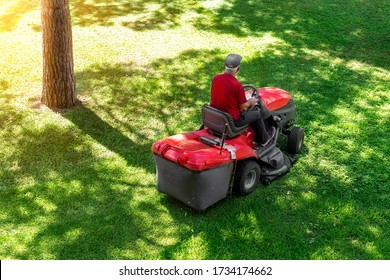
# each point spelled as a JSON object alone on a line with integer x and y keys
{"x": 81, "y": 183}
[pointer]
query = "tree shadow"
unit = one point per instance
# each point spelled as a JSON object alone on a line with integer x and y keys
{"x": 113, "y": 139}
{"x": 316, "y": 211}
{"x": 14, "y": 13}
{"x": 351, "y": 30}
{"x": 134, "y": 98}
{"x": 80, "y": 185}
{"x": 137, "y": 15}
{"x": 75, "y": 209}
{"x": 320, "y": 84}
{"x": 299, "y": 216}
{"x": 84, "y": 195}
{"x": 4, "y": 85}
{"x": 282, "y": 222}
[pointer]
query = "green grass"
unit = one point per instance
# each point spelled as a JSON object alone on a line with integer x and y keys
{"x": 80, "y": 184}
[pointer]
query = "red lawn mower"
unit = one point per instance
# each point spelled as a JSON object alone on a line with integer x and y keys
{"x": 203, "y": 167}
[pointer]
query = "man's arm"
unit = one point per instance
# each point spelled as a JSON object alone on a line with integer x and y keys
{"x": 248, "y": 103}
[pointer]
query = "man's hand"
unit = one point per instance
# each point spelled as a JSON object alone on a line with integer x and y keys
{"x": 250, "y": 102}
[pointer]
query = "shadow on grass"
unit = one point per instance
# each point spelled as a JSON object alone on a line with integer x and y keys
{"x": 72, "y": 203}
{"x": 82, "y": 188}
{"x": 114, "y": 140}
{"x": 323, "y": 209}
{"x": 145, "y": 101}
{"x": 284, "y": 222}
{"x": 15, "y": 12}
{"x": 352, "y": 30}
{"x": 138, "y": 15}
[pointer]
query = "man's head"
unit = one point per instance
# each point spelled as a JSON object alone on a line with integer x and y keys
{"x": 232, "y": 63}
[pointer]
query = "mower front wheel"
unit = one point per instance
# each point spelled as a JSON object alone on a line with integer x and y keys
{"x": 295, "y": 140}
{"x": 247, "y": 177}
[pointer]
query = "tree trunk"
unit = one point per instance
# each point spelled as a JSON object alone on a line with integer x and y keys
{"x": 58, "y": 85}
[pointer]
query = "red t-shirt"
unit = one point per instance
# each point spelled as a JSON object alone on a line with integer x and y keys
{"x": 227, "y": 94}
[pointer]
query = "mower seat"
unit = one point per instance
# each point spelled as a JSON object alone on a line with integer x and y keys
{"x": 216, "y": 120}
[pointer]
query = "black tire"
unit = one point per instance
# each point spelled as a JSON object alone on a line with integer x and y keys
{"x": 295, "y": 140}
{"x": 247, "y": 177}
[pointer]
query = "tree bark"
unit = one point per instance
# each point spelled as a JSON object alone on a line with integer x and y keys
{"x": 58, "y": 84}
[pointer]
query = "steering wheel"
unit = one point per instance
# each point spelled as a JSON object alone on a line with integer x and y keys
{"x": 254, "y": 94}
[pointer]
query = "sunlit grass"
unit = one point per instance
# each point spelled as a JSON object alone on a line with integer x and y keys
{"x": 80, "y": 184}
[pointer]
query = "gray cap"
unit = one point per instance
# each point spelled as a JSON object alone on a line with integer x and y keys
{"x": 233, "y": 60}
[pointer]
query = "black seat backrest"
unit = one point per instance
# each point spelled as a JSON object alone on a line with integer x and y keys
{"x": 216, "y": 120}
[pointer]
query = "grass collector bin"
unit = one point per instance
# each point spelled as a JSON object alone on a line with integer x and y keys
{"x": 191, "y": 171}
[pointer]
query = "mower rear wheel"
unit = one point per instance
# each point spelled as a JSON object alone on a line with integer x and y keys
{"x": 247, "y": 177}
{"x": 295, "y": 140}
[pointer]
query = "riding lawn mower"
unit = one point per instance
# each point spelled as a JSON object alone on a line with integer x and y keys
{"x": 202, "y": 167}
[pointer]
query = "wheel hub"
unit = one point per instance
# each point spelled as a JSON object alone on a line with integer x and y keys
{"x": 250, "y": 179}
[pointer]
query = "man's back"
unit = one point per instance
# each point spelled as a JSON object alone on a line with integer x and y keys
{"x": 227, "y": 93}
